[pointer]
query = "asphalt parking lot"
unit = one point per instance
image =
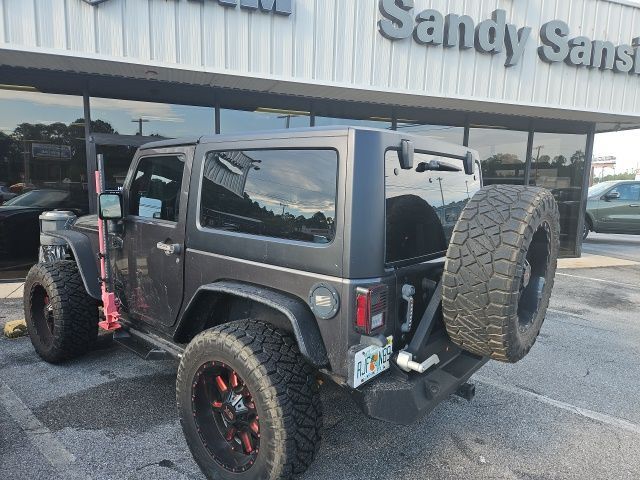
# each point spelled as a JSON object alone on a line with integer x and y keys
{"x": 571, "y": 409}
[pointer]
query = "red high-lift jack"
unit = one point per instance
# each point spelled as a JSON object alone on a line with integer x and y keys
{"x": 111, "y": 320}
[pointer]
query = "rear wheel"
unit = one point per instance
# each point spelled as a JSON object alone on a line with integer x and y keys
{"x": 248, "y": 402}
{"x": 499, "y": 271}
{"x": 61, "y": 317}
{"x": 586, "y": 228}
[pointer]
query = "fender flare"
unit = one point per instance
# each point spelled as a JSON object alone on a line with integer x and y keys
{"x": 303, "y": 322}
{"x": 85, "y": 259}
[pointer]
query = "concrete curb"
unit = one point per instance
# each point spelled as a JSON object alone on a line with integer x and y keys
{"x": 15, "y": 329}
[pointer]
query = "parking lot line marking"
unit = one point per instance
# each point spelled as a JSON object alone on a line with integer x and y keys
{"x": 610, "y": 420}
{"x": 40, "y": 436}
{"x": 632, "y": 285}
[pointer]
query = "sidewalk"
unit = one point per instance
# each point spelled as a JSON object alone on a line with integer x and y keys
{"x": 593, "y": 261}
{"x": 11, "y": 290}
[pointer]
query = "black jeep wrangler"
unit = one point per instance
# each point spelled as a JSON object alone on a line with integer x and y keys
{"x": 268, "y": 262}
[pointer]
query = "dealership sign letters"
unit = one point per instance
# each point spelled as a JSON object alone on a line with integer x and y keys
{"x": 495, "y": 35}
{"x": 280, "y": 7}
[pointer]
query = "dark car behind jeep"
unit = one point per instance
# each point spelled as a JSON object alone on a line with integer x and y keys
{"x": 19, "y": 227}
{"x": 267, "y": 262}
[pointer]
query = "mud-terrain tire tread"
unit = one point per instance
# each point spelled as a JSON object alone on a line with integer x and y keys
{"x": 287, "y": 386}
{"x": 483, "y": 269}
{"x": 75, "y": 311}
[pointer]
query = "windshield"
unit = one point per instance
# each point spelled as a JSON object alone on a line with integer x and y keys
{"x": 40, "y": 198}
{"x": 423, "y": 206}
{"x": 600, "y": 188}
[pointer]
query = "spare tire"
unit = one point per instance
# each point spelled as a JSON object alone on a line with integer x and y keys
{"x": 499, "y": 271}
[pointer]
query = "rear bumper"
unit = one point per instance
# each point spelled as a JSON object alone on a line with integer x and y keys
{"x": 402, "y": 398}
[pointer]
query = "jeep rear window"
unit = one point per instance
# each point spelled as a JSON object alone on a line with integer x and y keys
{"x": 281, "y": 193}
{"x": 422, "y": 207}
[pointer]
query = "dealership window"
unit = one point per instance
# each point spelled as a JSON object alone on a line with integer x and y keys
{"x": 444, "y": 133}
{"x": 557, "y": 163}
{"x": 127, "y": 117}
{"x": 503, "y": 154}
{"x": 42, "y": 147}
{"x": 147, "y": 119}
{"x": 238, "y": 121}
{"x": 289, "y": 194}
{"x": 353, "y": 122}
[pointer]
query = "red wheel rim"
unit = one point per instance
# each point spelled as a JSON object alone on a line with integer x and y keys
{"x": 226, "y": 416}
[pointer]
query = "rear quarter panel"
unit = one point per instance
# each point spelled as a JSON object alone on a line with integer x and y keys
{"x": 289, "y": 266}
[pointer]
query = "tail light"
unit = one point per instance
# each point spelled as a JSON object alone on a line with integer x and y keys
{"x": 371, "y": 308}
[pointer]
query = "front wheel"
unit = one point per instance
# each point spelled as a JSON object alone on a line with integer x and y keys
{"x": 248, "y": 403}
{"x": 61, "y": 317}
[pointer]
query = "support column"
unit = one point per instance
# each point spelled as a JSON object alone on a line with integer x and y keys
{"x": 91, "y": 161}
{"x": 586, "y": 177}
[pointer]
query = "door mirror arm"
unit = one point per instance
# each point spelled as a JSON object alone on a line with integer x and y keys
{"x": 116, "y": 226}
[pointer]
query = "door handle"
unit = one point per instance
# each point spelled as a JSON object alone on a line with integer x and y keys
{"x": 169, "y": 248}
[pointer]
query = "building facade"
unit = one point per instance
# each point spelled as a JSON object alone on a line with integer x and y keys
{"x": 527, "y": 83}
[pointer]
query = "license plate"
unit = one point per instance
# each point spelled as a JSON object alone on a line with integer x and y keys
{"x": 369, "y": 362}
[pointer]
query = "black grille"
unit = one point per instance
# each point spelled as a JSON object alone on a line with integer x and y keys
{"x": 379, "y": 296}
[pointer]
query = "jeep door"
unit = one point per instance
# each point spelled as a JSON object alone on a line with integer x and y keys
{"x": 151, "y": 265}
{"x": 619, "y": 209}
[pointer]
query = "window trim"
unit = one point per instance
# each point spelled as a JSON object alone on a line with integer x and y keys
{"x": 254, "y": 236}
{"x": 131, "y": 178}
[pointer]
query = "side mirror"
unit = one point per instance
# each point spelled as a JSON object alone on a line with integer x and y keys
{"x": 407, "y": 154}
{"x": 469, "y": 164}
{"x": 110, "y": 206}
{"x": 612, "y": 196}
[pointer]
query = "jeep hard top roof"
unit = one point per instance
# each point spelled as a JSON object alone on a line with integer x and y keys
{"x": 421, "y": 143}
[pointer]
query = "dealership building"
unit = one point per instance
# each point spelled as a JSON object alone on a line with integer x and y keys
{"x": 526, "y": 83}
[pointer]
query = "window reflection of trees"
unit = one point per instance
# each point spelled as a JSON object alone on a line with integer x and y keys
{"x": 267, "y": 206}
{"x": 503, "y": 168}
{"x": 21, "y": 170}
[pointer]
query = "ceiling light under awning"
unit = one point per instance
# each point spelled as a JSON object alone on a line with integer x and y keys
{"x": 19, "y": 88}
{"x": 283, "y": 112}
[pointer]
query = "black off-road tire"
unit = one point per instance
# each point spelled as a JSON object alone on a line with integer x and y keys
{"x": 284, "y": 389}
{"x": 67, "y": 325}
{"x": 500, "y": 269}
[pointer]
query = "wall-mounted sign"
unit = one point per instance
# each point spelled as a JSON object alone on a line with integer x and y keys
{"x": 281, "y": 7}
{"x": 50, "y": 150}
{"x": 492, "y": 36}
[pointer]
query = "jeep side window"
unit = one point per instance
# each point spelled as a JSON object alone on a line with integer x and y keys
{"x": 155, "y": 191}
{"x": 282, "y": 193}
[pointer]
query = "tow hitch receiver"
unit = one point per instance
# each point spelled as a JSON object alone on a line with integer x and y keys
{"x": 466, "y": 391}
